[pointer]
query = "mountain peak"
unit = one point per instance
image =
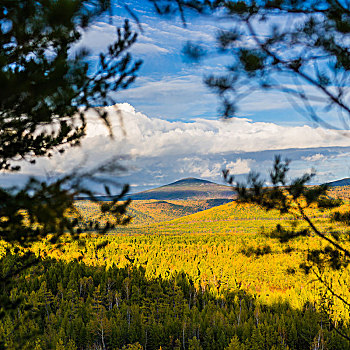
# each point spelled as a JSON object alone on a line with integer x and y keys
{"x": 188, "y": 188}
{"x": 190, "y": 181}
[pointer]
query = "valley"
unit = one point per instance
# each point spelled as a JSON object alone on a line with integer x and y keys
{"x": 218, "y": 243}
{"x": 188, "y": 273}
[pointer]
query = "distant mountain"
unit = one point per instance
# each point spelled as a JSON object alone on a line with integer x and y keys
{"x": 189, "y": 188}
{"x": 338, "y": 183}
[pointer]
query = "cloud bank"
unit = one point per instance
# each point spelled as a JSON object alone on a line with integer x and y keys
{"x": 147, "y": 136}
{"x": 157, "y": 151}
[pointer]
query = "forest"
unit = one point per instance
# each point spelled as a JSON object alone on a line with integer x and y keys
{"x": 208, "y": 280}
{"x": 76, "y": 306}
{"x": 267, "y": 268}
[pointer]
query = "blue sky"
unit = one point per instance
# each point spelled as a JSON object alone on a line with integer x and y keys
{"x": 168, "y": 85}
{"x": 171, "y": 119}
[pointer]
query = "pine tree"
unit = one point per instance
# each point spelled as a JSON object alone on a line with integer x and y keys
{"x": 235, "y": 344}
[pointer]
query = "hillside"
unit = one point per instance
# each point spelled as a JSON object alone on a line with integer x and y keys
{"x": 221, "y": 246}
{"x": 189, "y": 188}
{"x": 220, "y": 220}
{"x": 145, "y": 212}
{"x": 340, "y": 183}
{"x": 217, "y": 251}
{"x": 150, "y": 211}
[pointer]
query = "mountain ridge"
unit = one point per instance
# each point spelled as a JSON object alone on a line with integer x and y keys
{"x": 193, "y": 188}
{"x": 339, "y": 183}
{"x": 187, "y": 188}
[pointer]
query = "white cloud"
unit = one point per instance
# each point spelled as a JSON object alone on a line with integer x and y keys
{"x": 147, "y": 48}
{"x": 157, "y": 36}
{"x": 164, "y": 151}
{"x": 199, "y": 167}
{"x": 154, "y": 137}
{"x": 172, "y": 96}
{"x": 315, "y": 157}
{"x": 184, "y": 94}
{"x": 102, "y": 34}
{"x": 240, "y": 166}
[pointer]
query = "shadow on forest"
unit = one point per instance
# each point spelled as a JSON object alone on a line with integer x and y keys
{"x": 57, "y": 305}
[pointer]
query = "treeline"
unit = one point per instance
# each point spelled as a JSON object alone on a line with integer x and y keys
{"x": 58, "y": 305}
{"x": 217, "y": 262}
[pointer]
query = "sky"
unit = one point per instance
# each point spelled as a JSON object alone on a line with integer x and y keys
{"x": 167, "y": 126}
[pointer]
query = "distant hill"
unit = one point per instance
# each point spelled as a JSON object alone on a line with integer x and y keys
{"x": 175, "y": 200}
{"x": 160, "y": 210}
{"x": 145, "y": 212}
{"x": 189, "y": 188}
{"x": 338, "y": 183}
